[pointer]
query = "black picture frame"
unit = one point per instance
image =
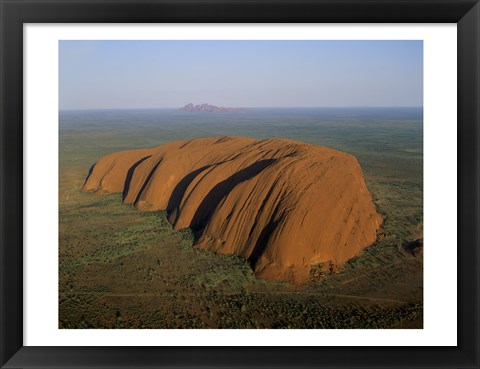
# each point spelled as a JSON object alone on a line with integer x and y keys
{"x": 15, "y": 13}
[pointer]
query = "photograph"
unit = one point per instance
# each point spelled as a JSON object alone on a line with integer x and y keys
{"x": 240, "y": 184}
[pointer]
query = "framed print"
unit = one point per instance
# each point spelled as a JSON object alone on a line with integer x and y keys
{"x": 225, "y": 184}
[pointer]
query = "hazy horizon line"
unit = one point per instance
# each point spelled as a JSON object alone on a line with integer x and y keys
{"x": 257, "y": 107}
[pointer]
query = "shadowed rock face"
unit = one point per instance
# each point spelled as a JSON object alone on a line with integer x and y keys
{"x": 285, "y": 206}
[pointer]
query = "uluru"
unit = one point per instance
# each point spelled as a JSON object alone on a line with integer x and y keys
{"x": 283, "y": 205}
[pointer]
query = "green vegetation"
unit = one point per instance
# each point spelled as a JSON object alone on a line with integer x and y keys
{"x": 121, "y": 268}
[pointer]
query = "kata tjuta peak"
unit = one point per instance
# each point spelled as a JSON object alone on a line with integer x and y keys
{"x": 210, "y": 108}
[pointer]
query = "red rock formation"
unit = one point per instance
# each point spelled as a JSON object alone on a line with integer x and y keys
{"x": 285, "y": 206}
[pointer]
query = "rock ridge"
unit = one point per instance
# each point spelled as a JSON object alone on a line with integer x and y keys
{"x": 210, "y": 108}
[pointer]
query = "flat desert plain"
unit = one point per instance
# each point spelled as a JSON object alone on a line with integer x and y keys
{"x": 148, "y": 258}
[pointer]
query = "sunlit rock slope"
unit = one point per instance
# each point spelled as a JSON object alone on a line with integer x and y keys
{"x": 286, "y": 206}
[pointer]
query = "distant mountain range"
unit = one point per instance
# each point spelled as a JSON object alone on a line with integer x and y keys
{"x": 210, "y": 108}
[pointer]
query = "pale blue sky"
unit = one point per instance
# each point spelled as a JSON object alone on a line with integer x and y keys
{"x": 167, "y": 74}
